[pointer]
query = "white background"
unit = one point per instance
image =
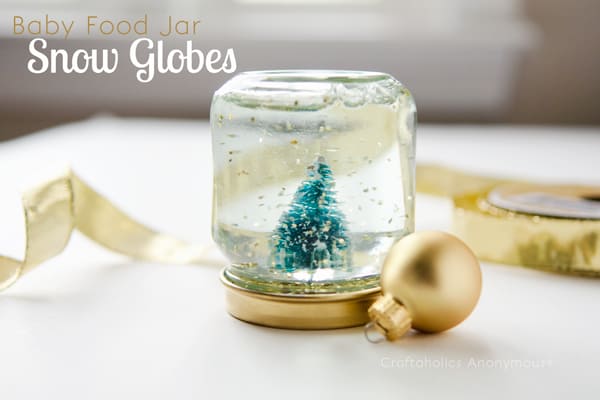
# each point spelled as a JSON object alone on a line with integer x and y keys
{"x": 94, "y": 325}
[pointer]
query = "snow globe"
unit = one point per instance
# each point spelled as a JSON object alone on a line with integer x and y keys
{"x": 313, "y": 183}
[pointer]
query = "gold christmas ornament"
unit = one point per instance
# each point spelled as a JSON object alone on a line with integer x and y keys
{"x": 431, "y": 281}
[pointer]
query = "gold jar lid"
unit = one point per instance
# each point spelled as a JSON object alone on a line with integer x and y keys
{"x": 294, "y": 311}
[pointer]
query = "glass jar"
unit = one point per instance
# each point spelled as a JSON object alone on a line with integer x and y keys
{"x": 314, "y": 178}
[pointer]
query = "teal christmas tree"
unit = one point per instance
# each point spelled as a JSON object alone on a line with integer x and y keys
{"x": 312, "y": 233}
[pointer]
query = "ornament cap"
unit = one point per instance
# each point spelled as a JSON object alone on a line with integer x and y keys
{"x": 390, "y": 318}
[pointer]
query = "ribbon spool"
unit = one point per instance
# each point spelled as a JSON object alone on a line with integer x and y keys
{"x": 549, "y": 227}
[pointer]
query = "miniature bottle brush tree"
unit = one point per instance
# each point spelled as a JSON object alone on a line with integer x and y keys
{"x": 312, "y": 233}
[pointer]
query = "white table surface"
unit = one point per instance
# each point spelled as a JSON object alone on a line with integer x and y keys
{"x": 90, "y": 324}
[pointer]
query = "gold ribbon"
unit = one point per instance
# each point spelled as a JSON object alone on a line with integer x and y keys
{"x": 508, "y": 236}
{"x": 53, "y": 209}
